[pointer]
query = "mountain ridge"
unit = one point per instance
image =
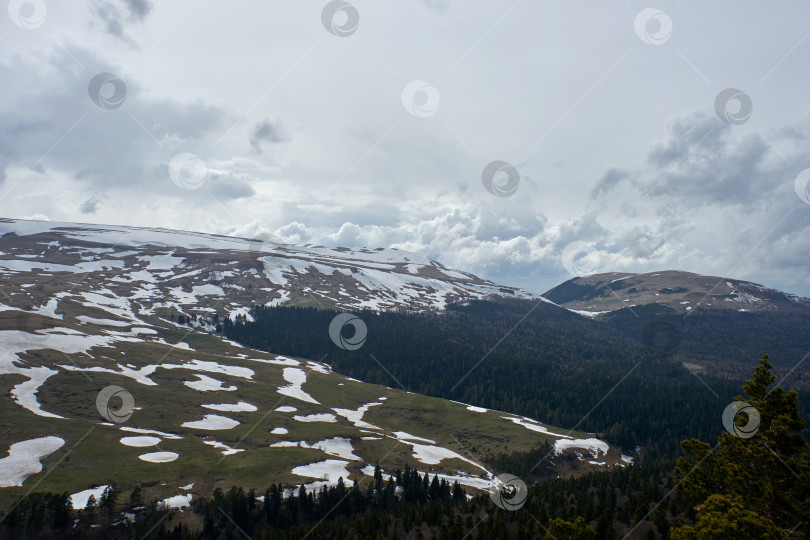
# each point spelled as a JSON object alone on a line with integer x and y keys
{"x": 598, "y": 294}
{"x": 341, "y": 278}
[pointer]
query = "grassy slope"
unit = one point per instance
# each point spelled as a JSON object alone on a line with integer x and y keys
{"x": 92, "y": 454}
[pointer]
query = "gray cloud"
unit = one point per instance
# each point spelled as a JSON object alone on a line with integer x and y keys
{"x": 89, "y": 206}
{"x": 127, "y": 147}
{"x": 607, "y": 149}
{"x": 229, "y": 186}
{"x": 700, "y": 158}
{"x": 114, "y": 14}
{"x": 697, "y": 132}
{"x": 267, "y": 132}
{"x": 139, "y": 9}
{"x": 608, "y": 180}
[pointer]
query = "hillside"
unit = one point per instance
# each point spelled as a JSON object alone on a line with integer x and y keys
{"x": 711, "y": 325}
{"x": 682, "y": 291}
{"x": 84, "y": 308}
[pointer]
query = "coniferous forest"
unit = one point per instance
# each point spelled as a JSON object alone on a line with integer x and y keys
{"x": 555, "y": 367}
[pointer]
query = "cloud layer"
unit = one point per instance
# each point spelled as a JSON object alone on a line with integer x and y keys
{"x": 288, "y": 129}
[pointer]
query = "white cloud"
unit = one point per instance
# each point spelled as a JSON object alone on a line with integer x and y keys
{"x": 303, "y": 134}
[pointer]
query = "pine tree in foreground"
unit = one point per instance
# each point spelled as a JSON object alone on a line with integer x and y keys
{"x": 751, "y": 485}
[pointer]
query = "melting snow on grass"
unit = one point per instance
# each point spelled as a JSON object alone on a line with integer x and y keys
{"x": 60, "y": 339}
{"x": 102, "y": 322}
{"x": 279, "y": 431}
{"x": 296, "y": 377}
{"x": 207, "y": 384}
{"x": 464, "y": 480}
{"x": 150, "y": 432}
{"x": 323, "y": 417}
{"x": 242, "y": 406}
{"x": 336, "y": 446}
{"x": 23, "y": 459}
{"x": 226, "y": 450}
{"x": 79, "y": 500}
{"x": 534, "y": 425}
{"x": 140, "y": 441}
{"x": 286, "y": 408}
{"x": 433, "y": 455}
{"x": 213, "y": 367}
{"x": 212, "y": 422}
{"x": 178, "y": 501}
{"x": 159, "y": 457}
{"x": 594, "y": 446}
{"x": 278, "y": 360}
{"x": 408, "y": 436}
{"x": 328, "y": 471}
{"x": 356, "y": 417}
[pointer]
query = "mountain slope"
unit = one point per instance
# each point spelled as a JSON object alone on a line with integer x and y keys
{"x": 712, "y": 325}
{"x": 681, "y": 291}
{"x": 84, "y": 308}
{"x": 162, "y": 270}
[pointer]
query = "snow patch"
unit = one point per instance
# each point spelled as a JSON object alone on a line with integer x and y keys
{"x": 208, "y": 384}
{"x": 296, "y": 377}
{"x": 242, "y": 406}
{"x": 79, "y": 500}
{"x": 140, "y": 441}
{"x": 159, "y": 457}
{"x": 322, "y": 417}
{"x": 23, "y": 459}
{"x": 212, "y": 422}
{"x": 595, "y": 446}
{"x": 226, "y": 450}
{"x": 178, "y": 501}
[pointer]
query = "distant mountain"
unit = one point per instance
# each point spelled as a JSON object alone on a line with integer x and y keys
{"x": 711, "y": 324}
{"x": 190, "y": 272}
{"x": 681, "y": 291}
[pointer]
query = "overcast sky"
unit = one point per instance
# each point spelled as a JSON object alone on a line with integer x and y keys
{"x": 372, "y": 123}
